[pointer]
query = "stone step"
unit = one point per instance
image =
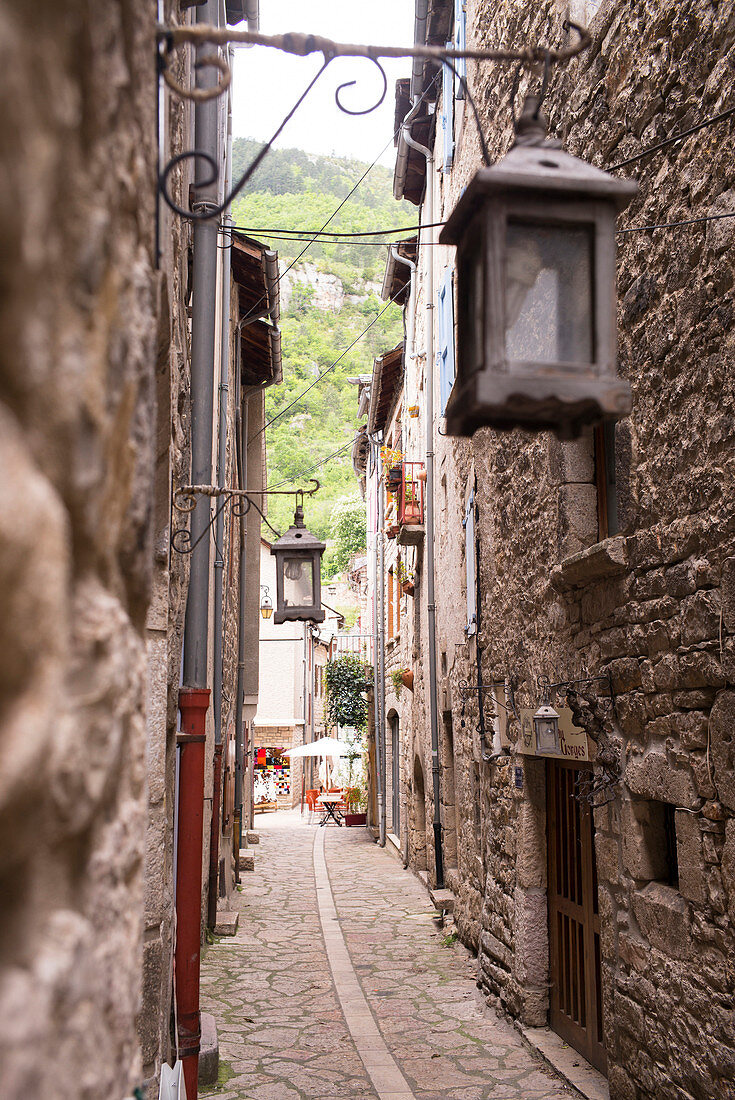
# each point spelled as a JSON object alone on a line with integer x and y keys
{"x": 442, "y": 899}
{"x": 226, "y": 923}
{"x": 208, "y": 1051}
{"x": 247, "y": 860}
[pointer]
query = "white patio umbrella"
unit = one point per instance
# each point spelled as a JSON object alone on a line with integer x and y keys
{"x": 325, "y": 746}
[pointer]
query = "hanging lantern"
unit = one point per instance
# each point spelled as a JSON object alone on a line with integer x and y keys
{"x": 546, "y": 726}
{"x": 266, "y": 603}
{"x": 535, "y": 237}
{"x": 298, "y": 557}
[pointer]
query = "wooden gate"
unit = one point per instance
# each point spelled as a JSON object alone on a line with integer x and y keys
{"x": 574, "y": 919}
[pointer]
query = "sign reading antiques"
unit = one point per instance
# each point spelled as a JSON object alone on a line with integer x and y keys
{"x": 573, "y": 743}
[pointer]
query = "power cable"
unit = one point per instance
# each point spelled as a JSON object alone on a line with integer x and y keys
{"x": 331, "y": 367}
{"x": 337, "y": 209}
{"x": 631, "y": 229}
{"x": 317, "y": 465}
{"x": 671, "y": 140}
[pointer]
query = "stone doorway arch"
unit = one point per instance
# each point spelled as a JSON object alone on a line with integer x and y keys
{"x": 418, "y": 817}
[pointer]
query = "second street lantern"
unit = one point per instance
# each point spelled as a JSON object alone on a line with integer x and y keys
{"x": 298, "y": 556}
{"x": 535, "y": 237}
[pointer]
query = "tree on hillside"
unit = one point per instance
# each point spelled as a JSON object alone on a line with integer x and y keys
{"x": 347, "y": 529}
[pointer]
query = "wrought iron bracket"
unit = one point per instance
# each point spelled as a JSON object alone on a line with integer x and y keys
{"x": 186, "y": 497}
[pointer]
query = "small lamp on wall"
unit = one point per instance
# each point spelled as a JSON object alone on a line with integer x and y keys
{"x": 266, "y": 603}
{"x": 298, "y": 556}
{"x": 536, "y": 340}
{"x": 546, "y": 726}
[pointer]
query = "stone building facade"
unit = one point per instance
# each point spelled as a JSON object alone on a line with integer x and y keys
{"x": 95, "y": 436}
{"x": 608, "y": 556}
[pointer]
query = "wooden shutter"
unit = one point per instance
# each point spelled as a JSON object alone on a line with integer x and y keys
{"x": 447, "y": 116}
{"x": 445, "y": 354}
{"x": 471, "y": 564}
{"x": 460, "y": 43}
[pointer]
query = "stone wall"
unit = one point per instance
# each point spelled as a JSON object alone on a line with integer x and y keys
{"x": 165, "y": 617}
{"x": 652, "y": 605}
{"x": 85, "y": 319}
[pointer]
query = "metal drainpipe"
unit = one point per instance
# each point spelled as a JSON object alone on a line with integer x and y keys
{"x": 219, "y": 561}
{"x": 428, "y": 218}
{"x": 410, "y": 338}
{"x": 380, "y": 732}
{"x": 376, "y": 631}
{"x": 242, "y": 463}
{"x": 194, "y": 695}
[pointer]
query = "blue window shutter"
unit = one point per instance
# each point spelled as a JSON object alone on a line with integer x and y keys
{"x": 448, "y": 116}
{"x": 445, "y": 352}
{"x": 460, "y": 43}
{"x": 471, "y": 564}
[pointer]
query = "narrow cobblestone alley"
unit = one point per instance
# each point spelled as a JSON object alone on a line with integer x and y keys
{"x": 290, "y": 1026}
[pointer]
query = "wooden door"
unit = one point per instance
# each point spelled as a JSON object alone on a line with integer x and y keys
{"x": 574, "y": 919}
{"x": 396, "y": 774}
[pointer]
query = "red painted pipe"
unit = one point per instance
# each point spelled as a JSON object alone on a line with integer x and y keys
{"x": 193, "y": 704}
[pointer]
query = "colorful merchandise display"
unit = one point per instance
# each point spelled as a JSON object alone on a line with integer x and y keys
{"x": 272, "y": 779}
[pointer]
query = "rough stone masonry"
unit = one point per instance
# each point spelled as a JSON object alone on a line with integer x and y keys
{"x": 85, "y": 324}
{"x": 653, "y": 605}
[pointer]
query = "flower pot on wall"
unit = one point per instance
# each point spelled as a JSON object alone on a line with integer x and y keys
{"x": 407, "y": 678}
{"x": 408, "y": 588}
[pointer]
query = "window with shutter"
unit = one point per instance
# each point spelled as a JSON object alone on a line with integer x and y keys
{"x": 445, "y": 325}
{"x": 460, "y": 43}
{"x": 448, "y": 115}
{"x": 471, "y": 564}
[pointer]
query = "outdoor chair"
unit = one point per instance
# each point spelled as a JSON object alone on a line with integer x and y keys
{"x": 310, "y": 798}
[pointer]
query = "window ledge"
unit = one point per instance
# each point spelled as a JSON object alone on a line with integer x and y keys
{"x": 605, "y": 559}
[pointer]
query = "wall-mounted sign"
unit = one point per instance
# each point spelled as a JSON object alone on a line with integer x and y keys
{"x": 573, "y": 742}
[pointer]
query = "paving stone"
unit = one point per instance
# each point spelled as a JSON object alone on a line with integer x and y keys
{"x": 282, "y": 1032}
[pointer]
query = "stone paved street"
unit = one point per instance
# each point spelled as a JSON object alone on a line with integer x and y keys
{"x": 282, "y": 1021}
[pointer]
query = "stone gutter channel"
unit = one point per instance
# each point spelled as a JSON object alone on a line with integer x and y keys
{"x": 387, "y": 1079}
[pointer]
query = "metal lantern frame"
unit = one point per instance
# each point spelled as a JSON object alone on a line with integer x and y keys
{"x": 300, "y": 546}
{"x": 546, "y": 728}
{"x": 535, "y": 187}
{"x": 266, "y": 603}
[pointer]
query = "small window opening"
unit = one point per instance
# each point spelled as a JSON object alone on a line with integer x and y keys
{"x": 607, "y": 498}
{"x": 672, "y": 860}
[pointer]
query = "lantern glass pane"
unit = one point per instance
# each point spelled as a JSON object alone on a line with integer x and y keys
{"x": 298, "y": 586}
{"x": 548, "y": 294}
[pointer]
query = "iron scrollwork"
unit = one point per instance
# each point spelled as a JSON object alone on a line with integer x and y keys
{"x": 186, "y": 498}
{"x": 301, "y": 45}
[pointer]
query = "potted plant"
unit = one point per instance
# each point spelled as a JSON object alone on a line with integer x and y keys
{"x": 402, "y": 677}
{"x": 356, "y": 799}
{"x": 407, "y": 579}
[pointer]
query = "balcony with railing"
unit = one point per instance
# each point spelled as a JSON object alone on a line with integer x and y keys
{"x": 405, "y": 484}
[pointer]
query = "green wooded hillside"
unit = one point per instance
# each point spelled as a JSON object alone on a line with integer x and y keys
{"x": 297, "y": 190}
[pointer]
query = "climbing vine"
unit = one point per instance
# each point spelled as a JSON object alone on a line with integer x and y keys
{"x": 345, "y": 683}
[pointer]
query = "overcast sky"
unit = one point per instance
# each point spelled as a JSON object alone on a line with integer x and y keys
{"x": 268, "y": 82}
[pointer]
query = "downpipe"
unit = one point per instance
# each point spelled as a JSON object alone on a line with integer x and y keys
{"x": 428, "y": 219}
{"x": 192, "y": 738}
{"x": 219, "y": 562}
{"x": 194, "y": 695}
{"x": 380, "y": 739}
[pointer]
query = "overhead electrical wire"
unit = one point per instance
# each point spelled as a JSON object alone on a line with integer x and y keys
{"x": 674, "y": 138}
{"x": 630, "y": 229}
{"x": 317, "y": 465}
{"x": 336, "y": 237}
{"x": 316, "y": 234}
{"x": 331, "y": 367}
